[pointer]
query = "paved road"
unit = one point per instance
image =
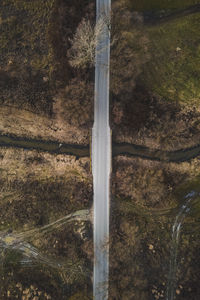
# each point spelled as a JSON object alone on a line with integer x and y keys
{"x": 101, "y": 160}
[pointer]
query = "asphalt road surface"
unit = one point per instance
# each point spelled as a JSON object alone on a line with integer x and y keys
{"x": 101, "y": 159}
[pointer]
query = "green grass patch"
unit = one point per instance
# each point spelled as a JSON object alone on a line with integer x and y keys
{"x": 173, "y": 71}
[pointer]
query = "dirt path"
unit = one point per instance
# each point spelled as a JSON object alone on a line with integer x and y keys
{"x": 157, "y": 20}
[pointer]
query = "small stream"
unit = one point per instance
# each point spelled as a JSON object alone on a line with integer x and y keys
{"x": 131, "y": 150}
{"x": 42, "y": 145}
{"x": 176, "y": 156}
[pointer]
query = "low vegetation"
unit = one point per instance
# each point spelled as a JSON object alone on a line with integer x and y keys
{"x": 33, "y": 50}
{"x": 146, "y": 198}
{"x": 155, "y": 96}
{"x": 154, "y": 86}
{"x": 37, "y": 190}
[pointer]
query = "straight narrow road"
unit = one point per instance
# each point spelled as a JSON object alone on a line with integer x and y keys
{"x": 101, "y": 157}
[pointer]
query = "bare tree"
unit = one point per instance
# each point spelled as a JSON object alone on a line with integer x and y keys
{"x": 85, "y": 41}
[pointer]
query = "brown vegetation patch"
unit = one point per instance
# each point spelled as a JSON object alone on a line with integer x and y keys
{"x": 146, "y": 120}
{"x": 74, "y": 104}
{"x": 148, "y": 183}
{"x": 37, "y": 188}
{"x": 34, "y": 63}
